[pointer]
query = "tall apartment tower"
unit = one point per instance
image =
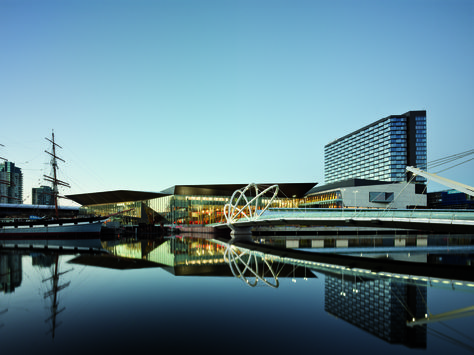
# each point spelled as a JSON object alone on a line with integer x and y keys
{"x": 42, "y": 195}
{"x": 380, "y": 151}
{"x": 11, "y": 183}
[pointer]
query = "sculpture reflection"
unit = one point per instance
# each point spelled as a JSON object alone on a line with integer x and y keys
{"x": 392, "y": 307}
{"x": 236, "y": 258}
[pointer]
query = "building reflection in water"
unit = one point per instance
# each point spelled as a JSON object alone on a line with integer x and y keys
{"x": 10, "y": 277}
{"x": 10, "y": 272}
{"x": 379, "y": 306}
{"x": 202, "y": 257}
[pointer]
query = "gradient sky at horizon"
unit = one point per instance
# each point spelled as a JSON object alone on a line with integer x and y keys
{"x": 143, "y": 95}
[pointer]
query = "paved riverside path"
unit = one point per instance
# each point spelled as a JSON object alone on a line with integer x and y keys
{"x": 442, "y": 221}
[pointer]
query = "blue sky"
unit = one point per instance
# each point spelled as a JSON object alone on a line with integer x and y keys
{"x": 145, "y": 94}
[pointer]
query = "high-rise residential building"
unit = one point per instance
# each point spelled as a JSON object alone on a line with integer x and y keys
{"x": 42, "y": 195}
{"x": 381, "y": 307}
{"x": 379, "y": 151}
{"x": 11, "y": 183}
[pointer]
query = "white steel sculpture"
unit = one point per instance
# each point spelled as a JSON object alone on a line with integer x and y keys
{"x": 237, "y": 258}
{"x": 249, "y": 208}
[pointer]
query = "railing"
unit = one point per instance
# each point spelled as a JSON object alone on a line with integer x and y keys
{"x": 344, "y": 213}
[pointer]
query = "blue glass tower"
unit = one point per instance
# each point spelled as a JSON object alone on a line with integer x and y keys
{"x": 379, "y": 151}
{"x": 11, "y": 183}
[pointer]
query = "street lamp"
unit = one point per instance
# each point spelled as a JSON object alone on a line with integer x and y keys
{"x": 355, "y": 203}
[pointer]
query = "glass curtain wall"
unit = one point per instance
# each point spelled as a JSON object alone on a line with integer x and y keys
{"x": 202, "y": 210}
{"x": 128, "y": 213}
{"x": 330, "y": 199}
{"x": 175, "y": 209}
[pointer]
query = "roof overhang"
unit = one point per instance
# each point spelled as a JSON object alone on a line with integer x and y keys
{"x": 100, "y": 198}
{"x": 347, "y": 183}
{"x": 290, "y": 190}
{"x": 285, "y": 189}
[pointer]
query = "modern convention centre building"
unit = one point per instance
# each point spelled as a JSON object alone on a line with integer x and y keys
{"x": 364, "y": 169}
{"x": 180, "y": 204}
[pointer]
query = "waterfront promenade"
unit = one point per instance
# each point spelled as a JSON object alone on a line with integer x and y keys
{"x": 447, "y": 221}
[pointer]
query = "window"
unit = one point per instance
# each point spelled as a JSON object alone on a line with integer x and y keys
{"x": 381, "y": 197}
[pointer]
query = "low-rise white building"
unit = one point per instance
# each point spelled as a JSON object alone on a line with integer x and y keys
{"x": 360, "y": 193}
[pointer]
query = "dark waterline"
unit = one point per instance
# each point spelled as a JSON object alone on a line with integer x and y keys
{"x": 181, "y": 294}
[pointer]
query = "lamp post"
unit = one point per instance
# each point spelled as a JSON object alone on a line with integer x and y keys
{"x": 355, "y": 203}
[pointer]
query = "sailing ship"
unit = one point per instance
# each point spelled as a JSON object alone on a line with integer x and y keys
{"x": 33, "y": 229}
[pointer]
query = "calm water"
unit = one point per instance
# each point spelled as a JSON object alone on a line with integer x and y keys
{"x": 188, "y": 295}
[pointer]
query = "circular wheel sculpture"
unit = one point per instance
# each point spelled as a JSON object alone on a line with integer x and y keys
{"x": 241, "y": 262}
{"x": 241, "y": 206}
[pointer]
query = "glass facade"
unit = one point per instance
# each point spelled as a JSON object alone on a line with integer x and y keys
{"x": 175, "y": 209}
{"x": 380, "y": 151}
{"x": 11, "y": 183}
{"x": 380, "y": 307}
{"x": 42, "y": 195}
{"x": 329, "y": 199}
{"x": 202, "y": 210}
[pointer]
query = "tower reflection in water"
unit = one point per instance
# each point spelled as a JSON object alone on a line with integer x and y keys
{"x": 10, "y": 272}
{"x": 381, "y": 307}
{"x": 380, "y": 303}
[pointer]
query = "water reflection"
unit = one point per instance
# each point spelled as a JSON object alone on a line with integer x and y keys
{"x": 50, "y": 279}
{"x": 51, "y": 261}
{"x": 392, "y": 307}
{"x": 10, "y": 272}
{"x": 242, "y": 262}
{"x": 385, "y": 303}
{"x": 381, "y": 307}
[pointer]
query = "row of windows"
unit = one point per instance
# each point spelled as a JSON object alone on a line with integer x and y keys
{"x": 398, "y": 119}
{"x": 345, "y": 164}
{"x": 347, "y": 146}
{"x": 376, "y": 151}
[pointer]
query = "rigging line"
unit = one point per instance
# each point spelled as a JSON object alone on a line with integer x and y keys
{"x": 433, "y": 166}
{"x": 413, "y": 197}
{"x": 289, "y": 273}
{"x": 450, "y": 339}
{"x": 454, "y": 166}
{"x": 423, "y": 299}
{"x": 447, "y": 161}
{"x": 470, "y": 151}
{"x": 396, "y": 197}
{"x": 403, "y": 304}
{"x": 457, "y": 331}
{"x": 279, "y": 268}
{"x": 451, "y": 157}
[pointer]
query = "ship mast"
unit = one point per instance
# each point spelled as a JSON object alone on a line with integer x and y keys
{"x": 54, "y": 293}
{"x": 54, "y": 179}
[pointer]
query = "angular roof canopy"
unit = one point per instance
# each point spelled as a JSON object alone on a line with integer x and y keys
{"x": 348, "y": 183}
{"x": 285, "y": 189}
{"x": 97, "y": 198}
